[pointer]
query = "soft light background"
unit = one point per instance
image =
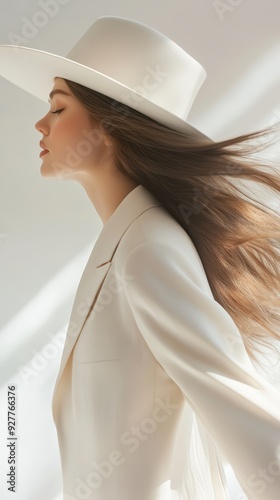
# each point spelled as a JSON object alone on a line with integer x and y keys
{"x": 48, "y": 227}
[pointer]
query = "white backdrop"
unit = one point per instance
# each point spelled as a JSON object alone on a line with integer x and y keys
{"x": 48, "y": 227}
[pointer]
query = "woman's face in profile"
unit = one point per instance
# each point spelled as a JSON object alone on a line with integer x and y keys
{"x": 73, "y": 145}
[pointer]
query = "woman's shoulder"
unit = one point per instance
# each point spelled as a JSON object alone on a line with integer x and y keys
{"x": 154, "y": 225}
{"x": 156, "y": 233}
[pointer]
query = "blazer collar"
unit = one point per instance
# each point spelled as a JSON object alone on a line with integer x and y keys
{"x": 132, "y": 206}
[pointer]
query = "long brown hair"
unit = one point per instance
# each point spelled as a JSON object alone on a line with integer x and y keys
{"x": 199, "y": 181}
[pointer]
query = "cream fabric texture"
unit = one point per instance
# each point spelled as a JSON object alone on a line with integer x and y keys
{"x": 155, "y": 390}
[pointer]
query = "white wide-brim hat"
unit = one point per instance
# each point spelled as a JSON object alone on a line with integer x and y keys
{"x": 122, "y": 59}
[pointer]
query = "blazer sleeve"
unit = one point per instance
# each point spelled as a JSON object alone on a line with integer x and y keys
{"x": 199, "y": 346}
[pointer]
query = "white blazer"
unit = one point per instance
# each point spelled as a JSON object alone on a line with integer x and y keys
{"x": 155, "y": 389}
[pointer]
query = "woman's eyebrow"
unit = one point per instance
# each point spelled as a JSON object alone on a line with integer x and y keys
{"x": 57, "y": 91}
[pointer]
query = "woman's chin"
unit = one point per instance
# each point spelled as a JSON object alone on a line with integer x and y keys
{"x": 53, "y": 170}
{"x": 47, "y": 171}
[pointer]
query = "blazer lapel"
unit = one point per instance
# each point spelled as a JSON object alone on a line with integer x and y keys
{"x": 89, "y": 286}
{"x": 134, "y": 204}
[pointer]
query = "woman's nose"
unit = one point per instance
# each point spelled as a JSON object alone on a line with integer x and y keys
{"x": 41, "y": 126}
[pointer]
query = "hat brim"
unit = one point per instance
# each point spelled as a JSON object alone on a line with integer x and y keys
{"x": 35, "y": 70}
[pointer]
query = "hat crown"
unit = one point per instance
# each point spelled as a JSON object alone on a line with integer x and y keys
{"x": 142, "y": 60}
{"x": 122, "y": 59}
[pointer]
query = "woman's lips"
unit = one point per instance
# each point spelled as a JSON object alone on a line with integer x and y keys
{"x": 45, "y": 151}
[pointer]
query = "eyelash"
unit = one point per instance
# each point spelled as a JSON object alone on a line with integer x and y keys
{"x": 56, "y": 112}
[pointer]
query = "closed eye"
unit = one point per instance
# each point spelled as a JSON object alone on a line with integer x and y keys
{"x": 56, "y": 112}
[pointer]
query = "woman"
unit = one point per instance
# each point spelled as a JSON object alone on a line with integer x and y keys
{"x": 157, "y": 387}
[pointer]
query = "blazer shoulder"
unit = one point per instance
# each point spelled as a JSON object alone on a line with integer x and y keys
{"x": 157, "y": 229}
{"x": 153, "y": 225}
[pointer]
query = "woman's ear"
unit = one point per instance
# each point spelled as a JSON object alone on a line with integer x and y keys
{"x": 107, "y": 140}
{"x": 102, "y": 132}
